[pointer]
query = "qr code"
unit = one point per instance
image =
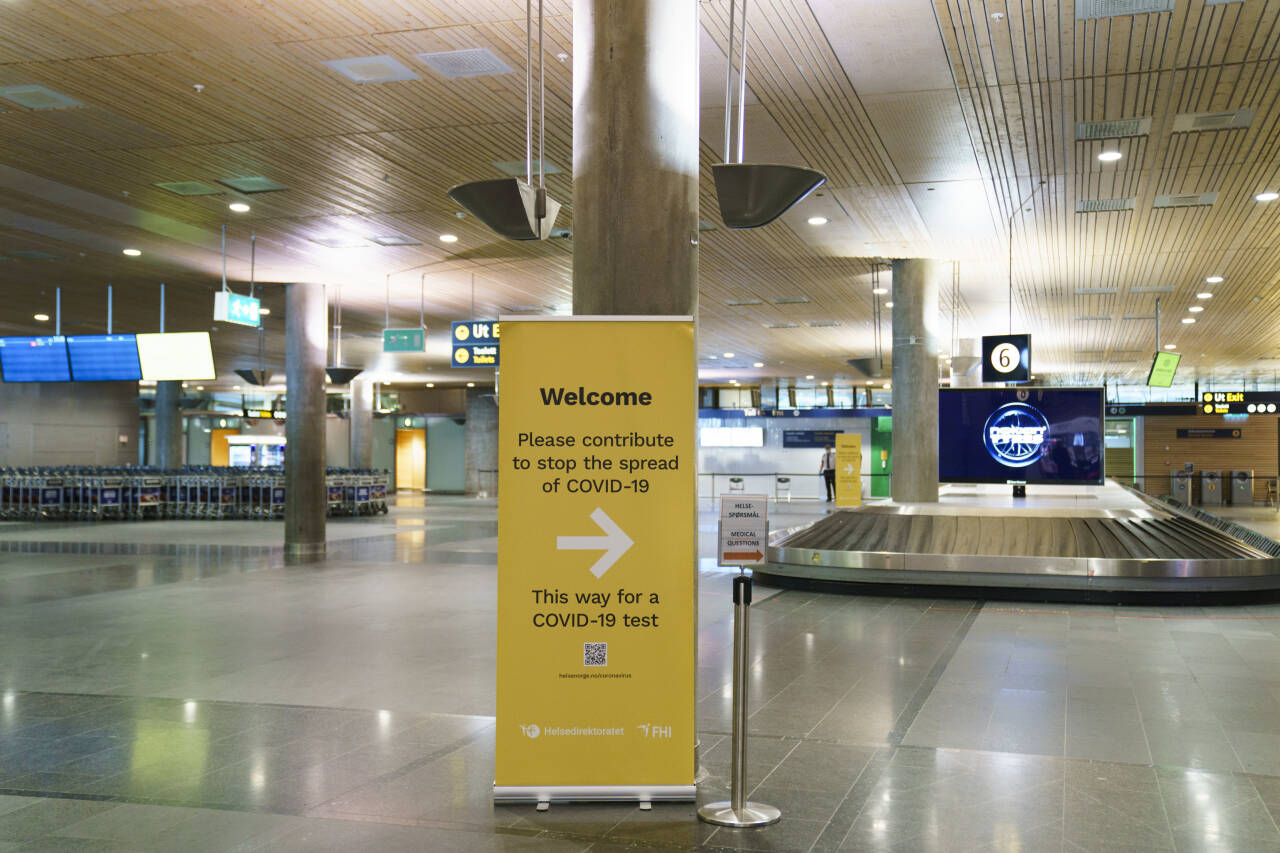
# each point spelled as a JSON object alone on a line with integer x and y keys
{"x": 595, "y": 654}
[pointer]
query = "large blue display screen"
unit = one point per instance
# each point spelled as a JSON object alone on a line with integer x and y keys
{"x": 34, "y": 359}
{"x": 1032, "y": 435}
{"x": 104, "y": 358}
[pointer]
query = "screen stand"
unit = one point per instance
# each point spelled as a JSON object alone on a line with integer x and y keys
{"x": 1020, "y": 491}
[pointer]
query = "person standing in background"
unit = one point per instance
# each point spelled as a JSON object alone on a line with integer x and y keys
{"x": 828, "y": 471}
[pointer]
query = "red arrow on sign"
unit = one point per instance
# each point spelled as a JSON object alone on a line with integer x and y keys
{"x": 749, "y": 555}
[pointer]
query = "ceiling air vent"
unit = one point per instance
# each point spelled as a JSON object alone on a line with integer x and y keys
{"x": 1091, "y": 317}
{"x": 781, "y": 325}
{"x": 253, "y": 184}
{"x": 33, "y": 255}
{"x": 190, "y": 188}
{"x": 1229, "y": 120}
{"x": 371, "y": 69}
{"x": 1164, "y": 288}
{"x": 476, "y": 62}
{"x": 338, "y": 242}
{"x": 1113, "y": 129}
{"x": 790, "y": 300}
{"x": 1113, "y": 8}
{"x": 1101, "y": 205}
{"x": 1139, "y": 317}
{"x": 1220, "y": 2}
{"x": 1094, "y": 291}
{"x": 38, "y": 98}
{"x": 524, "y": 309}
{"x": 396, "y": 240}
{"x": 1186, "y": 200}
{"x": 738, "y": 303}
{"x": 823, "y": 324}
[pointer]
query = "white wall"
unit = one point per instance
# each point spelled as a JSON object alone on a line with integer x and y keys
{"x": 78, "y": 423}
{"x": 801, "y": 464}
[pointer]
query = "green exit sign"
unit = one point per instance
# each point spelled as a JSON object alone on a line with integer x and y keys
{"x": 404, "y": 340}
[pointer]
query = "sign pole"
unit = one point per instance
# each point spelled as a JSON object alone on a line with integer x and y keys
{"x": 737, "y": 811}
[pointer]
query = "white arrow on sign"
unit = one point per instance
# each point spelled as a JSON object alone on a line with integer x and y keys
{"x": 614, "y": 543}
{"x": 848, "y": 469}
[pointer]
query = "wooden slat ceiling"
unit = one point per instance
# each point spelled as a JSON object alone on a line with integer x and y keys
{"x": 376, "y": 159}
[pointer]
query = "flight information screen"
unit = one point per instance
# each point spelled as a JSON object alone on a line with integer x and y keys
{"x": 41, "y": 359}
{"x": 176, "y": 355}
{"x": 104, "y": 358}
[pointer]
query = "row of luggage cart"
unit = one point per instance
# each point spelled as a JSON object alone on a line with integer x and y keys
{"x": 196, "y": 492}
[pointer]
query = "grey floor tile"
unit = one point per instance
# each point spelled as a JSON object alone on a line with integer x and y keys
{"x": 45, "y": 817}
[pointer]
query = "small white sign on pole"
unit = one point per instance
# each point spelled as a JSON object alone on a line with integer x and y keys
{"x": 744, "y": 530}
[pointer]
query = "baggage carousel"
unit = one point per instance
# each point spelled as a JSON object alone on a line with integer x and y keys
{"x": 1091, "y": 542}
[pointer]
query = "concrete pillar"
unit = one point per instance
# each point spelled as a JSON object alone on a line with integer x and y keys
{"x": 966, "y": 365}
{"x": 635, "y": 157}
{"x": 304, "y": 452}
{"x": 481, "y": 443}
{"x": 361, "y": 424}
{"x": 916, "y": 284}
{"x": 168, "y": 425}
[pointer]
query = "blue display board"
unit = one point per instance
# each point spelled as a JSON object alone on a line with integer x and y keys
{"x": 28, "y": 359}
{"x": 1031, "y": 435}
{"x": 104, "y": 358}
{"x": 812, "y": 438}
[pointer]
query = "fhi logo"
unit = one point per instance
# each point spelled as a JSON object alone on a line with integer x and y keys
{"x": 1015, "y": 433}
{"x": 531, "y": 730}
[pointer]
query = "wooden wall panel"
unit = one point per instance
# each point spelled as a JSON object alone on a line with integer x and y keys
{"x": 1256, "y": 449}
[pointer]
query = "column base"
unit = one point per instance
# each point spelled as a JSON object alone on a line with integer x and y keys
{"x": 304, "y": 552}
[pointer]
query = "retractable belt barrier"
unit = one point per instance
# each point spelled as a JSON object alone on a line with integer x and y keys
{"x": 193, "y": 492}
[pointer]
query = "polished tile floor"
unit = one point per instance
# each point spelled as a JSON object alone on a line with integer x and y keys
{"x": 175, "y": 687}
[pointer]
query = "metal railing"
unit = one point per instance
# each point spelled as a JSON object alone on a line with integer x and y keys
{"x": 713, "y": 484}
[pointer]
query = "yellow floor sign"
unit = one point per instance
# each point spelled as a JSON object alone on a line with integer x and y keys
{"x": 848, "y": 469}
{"x": 596, "y": 559}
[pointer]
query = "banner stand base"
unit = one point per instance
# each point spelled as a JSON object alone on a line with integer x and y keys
{"x": 593, "y": 793}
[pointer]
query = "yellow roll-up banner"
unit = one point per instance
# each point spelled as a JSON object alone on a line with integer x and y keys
{"x": 848, "y": 469}
{"x": 596, "y": 559}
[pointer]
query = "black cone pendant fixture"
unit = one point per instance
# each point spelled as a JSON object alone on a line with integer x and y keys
{"x": 753, "y": 194}
{"x": 513, "y": 208}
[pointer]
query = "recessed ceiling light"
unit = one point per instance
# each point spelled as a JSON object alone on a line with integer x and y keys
{"x": 1195, "y": 309}
{"x": 448, "y": 238}
{"x": 871, "y": 382}
{"x": 888, "y": 385}
{"x": 817, "y": 220}
{"x": 1170, "y": 346}
{"x": 728, "y": 355}
{"x": 262, "y": 312}
{"x": 1267, "y": 196}
{"x": 1204, "y": 295}
{"x": 238, "y": 207}
{"x": 471, "y": 384}
{"x": 1188, "y": 320}
{"x": 810, "y": 376}
{"x": 199, "y": 387}
{"x": 824, "y": 384}
{"x": 1110, "y": 156}
{"x": 1214, "y": 279}
{"x": 133, "y": 253}
{"x": 880, "y": 291}
{"x": 41, "y": 318}
{"x": 888, "y": 305}
{"x": 235, "y": 387}
{"x": 713, "y": 357}
{"x": 758, "y": 364}
{"x": 431, "y": 384}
